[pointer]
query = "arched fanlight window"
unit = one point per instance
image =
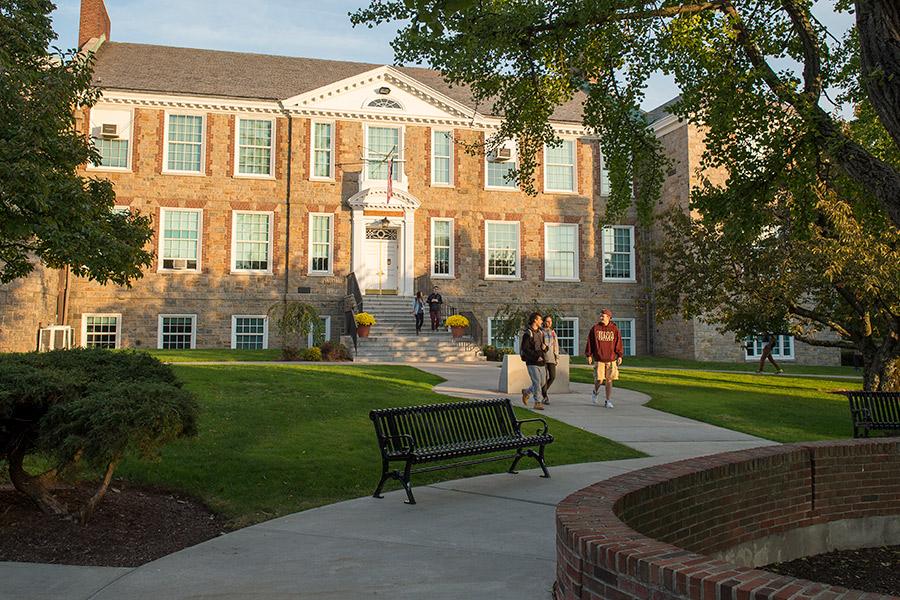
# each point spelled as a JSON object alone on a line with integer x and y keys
{"x": 385, "y": 103}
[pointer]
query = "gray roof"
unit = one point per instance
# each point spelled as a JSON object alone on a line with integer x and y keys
{"x": 661, "y": 111}
{"x": 190, "y": 71}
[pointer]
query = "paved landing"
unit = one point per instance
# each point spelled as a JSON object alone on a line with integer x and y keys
{"x": 489, "y": 537}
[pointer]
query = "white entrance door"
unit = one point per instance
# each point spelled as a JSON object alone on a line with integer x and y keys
{"x": 382, "y": 264}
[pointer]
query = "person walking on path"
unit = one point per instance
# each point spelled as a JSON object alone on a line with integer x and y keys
{"x": 769, "y": 340}
{"x": 419, "y": 311}
{"x": 551, "y": 355}
{"x": 434, "y": 302}
{"x": 604, "y": 351}
{"x": 532, "y": 352}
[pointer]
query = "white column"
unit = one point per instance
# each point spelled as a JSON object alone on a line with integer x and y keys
{"x": 409, "y": 256}
{"x": 358, "y": 247}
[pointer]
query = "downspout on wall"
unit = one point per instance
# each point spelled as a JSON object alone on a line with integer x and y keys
{"x": 287, "y": 199}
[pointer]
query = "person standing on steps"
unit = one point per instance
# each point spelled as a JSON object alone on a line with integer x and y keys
{"x": 419, "y": 311}
{"x": 551, "y": 355}
{"x": 532, "y": 351}
{"x": 604, "y": 350}
{"x": 769, "y": 340}
{"x": 434, "y": 302}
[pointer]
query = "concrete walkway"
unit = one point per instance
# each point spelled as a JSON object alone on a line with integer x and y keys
{"x": 488, "y": 537}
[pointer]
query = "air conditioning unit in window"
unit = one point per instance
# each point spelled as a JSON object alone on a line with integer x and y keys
{"x": 501, "y": 154}
{"x": 109, "y": 131}
{"x": 179, "y": 264}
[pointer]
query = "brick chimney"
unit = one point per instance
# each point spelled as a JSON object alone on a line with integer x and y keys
{"x": 94, "y": 21}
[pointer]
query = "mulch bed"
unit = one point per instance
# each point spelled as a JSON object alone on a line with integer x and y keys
{"x": 132, "y": 526}
{"x": 869, "y": 569}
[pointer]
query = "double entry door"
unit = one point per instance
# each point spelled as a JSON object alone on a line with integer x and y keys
{"x": 382, "y": 264}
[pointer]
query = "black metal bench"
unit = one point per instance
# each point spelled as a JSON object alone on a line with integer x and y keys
{"x": 874, "y": 411}
{"x": 438, "y": 432}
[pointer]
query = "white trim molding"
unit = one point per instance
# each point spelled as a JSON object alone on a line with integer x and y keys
{"x": 165, "y": 133}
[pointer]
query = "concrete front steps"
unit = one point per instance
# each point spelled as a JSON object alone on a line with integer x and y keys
{"x": 393, "y": 338}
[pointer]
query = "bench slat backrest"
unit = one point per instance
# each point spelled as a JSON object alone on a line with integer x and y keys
{"x": 436, "y": 425}
{"x": 877, "y": 407}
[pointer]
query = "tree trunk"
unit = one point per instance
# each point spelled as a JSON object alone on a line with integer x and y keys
{"x": 35, "y": 487}
{"x": 878, "y": 24}
{"x": 87, "y": 510}
{"x": 881, "y": 370}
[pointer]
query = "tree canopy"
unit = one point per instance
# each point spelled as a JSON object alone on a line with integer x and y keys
{"x": 802, "y": 235}
{"x": 48, "y": 212}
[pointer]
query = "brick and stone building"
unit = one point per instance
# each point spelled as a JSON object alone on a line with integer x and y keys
{"x": 267, "y": 178}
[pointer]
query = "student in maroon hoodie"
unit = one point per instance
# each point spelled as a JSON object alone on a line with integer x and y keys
{"x": 604, "y": 351}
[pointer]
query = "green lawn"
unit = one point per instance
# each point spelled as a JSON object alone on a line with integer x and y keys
{"x": 749, "y": 366}
{"x": 214, "y": 354}
{"x": 775, "y": 407}
{"x": 276, "y": 439}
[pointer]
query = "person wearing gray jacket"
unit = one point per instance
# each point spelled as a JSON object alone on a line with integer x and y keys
{"x": 551, "y": 355}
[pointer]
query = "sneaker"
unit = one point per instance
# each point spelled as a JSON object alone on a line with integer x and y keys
{"x": 546, "y": 400}
{"x": 594, "y": 398}
{"x": 525, "y": 394}
{"x": 538, "y": 406}
{"x": 608, "y": 404}
{"x": 779, "y": 371}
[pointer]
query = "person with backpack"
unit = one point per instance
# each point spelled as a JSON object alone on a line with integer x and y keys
{"x": 532, "y": 351}
{"x": 551, "y": 355}
{"x": 604, "y": 349}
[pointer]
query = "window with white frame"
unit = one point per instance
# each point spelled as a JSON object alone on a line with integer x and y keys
{"x": 384, "y": 152}
{"x": 567, "y": 334}
{"x": 618, "y": 253}
{"x": 560, "y": 251}
{"x": 559, "y": 167}
{"x": 251, "y": 241}
{"x": 385, "y": 103}
{"x": 501, "y": 250}
{"x": 442, "y": 158}
{"x": 249, "y": 332}
{"x": 321, "y": 334}
{"x": 180, "y": 239}
{"x": 100, "y": 330}
{"x": 494, "y": 339}
{"x": 499, "y": 165}
{"x": 626, "y": 330}
{"x": 442, "y": 247}
{"x": 111, "y": 136}
{"x": 783, "y": 348}
{"x": 184, "y": 144}
{"x": 177, "y": 332}
{"x": 255, "y": 156}
{"x": 604, "y": 176}
{"x": 321, "y": 234}
{"x": 323, "y": 150}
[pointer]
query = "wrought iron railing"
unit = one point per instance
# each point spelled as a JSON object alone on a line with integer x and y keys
{"x": 353, "y": 304}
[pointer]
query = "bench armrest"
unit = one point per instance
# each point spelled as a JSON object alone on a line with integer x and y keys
{"x": 534, "y": 420}
{"x": 411, "y": 439}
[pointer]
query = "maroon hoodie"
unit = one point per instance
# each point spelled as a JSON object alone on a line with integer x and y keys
{"x": 604, "y": 343}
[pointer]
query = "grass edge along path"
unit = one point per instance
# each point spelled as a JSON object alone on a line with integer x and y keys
{"x": 661, "y": 362}
{"x": 277, "y": 439}
{"x": 778, "y": 408}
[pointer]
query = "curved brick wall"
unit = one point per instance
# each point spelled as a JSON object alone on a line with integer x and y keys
{"x": 649, "y": 534}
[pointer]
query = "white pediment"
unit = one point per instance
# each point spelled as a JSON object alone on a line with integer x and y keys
{"x": 376, "y": 198}
{"x": 383, "y": 86}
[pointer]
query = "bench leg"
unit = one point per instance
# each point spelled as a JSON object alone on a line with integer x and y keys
{"x": 540, "y": 459}
{"x": 512, "y": 467}
{"x": 385, "y": 475}
{"x": 404, "y": 479}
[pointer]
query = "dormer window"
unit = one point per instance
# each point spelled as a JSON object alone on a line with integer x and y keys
{"x": 385, "y": 103}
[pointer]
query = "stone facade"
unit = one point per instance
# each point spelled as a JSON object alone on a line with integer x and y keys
{"x": 26, "y": 305}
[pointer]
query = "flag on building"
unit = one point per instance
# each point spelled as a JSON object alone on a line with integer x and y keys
{"x": 390, "y": 181}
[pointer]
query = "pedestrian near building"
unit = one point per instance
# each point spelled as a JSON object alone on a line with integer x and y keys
{"x": 532, "y": 351}
{"x": 419, "y": 311}
{"x": 551, "y": 356}
{"x": 604, "y": 350}
{"x": 434, "y": 301}
{"x": 769, "y": 341}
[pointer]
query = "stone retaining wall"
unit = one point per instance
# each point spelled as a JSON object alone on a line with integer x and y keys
{"x": 649, "y": 534}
